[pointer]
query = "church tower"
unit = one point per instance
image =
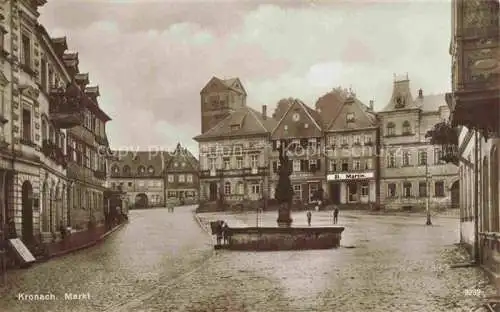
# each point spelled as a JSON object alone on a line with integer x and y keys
{"x": 219, "y": 98}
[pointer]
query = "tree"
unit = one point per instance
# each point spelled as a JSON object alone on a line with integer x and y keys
{"x": 446, "y": 136}
{"x": 284, "y": 191}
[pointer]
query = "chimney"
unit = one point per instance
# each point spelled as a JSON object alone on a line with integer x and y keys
{"x": 420, "y": 94}
{"x": 371, "y": 105}
{"x": 264, "y": 112}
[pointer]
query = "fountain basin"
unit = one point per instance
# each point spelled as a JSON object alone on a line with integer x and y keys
{"x": 282, "y": 238}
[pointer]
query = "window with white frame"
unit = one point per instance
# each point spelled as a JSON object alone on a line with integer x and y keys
{"x": 227, "y": 188}
{"x": 391, "y": 160}
{"x": 227, "y": 163}
{"x": 189, "y": 178}
{"x": 422, "y": 158}
{"x": 297, "y": 191}
{"x": 364, "y": 189}
{"x": 357, "y": 164}
{"x": 406, "y": 158}
{"x": 296, "y": 165}
{"x": 239, "y": 162}
{"x": 368, "y": 139}
{"x": 333, "y": 165}
{"x": 350, "y": 117}
{"x": 407, "y": 189}
{"x": 332, "y": 140}
{"x": 438, "y": 156}
{"x": 181, "y": 178}
{"x": 345, "y": 140}
{"x": 170, "y": 178}
{"x": 357, "y": 139}
{"x": 87, "y": 156}
{"x": 391, "y": 190}
{"x": 368, "y": 163}
{"x": 212, "y": 163}
{"x": 255, "y": 187}
{"x": 254, "y": 161}
{"x": 240, "y": 188}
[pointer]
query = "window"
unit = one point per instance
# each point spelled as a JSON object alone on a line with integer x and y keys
{"x": 254, "y": 161}
{"x": 357, "y": 164}
{"x": 27, "y": 125}
{"x": 126, "y": 170}
{"x": 391, "y": 190}
{"x": 141, "y": 170}
{"x": 151, "y": 170}
{"x": 368, "y": 139}
{"x": 422, "y": 189}
{"x": 350, "y": 117}
{"x": 227, "y": 188}
{"x": 345, "y": 140}
{"x": 407, "y": 189}
{"x": 406, "y": 127}
{"x": 368, "y": 164}
{"x": 141, "y": 183}
{"x": 44, "y": 128}
{"x": 422, "y": 158}
{"x": 227, "y": 163}
{"x": 181, "y": 178}
{"x": 439, "y": 189}
{"x": 115, "y": 169}
{"x": 130, "y": 184}
{"x": 332, "y": 140}
{"x": 438, "y": 156}
{"x": 189, "y": 178}
{"x": 406, "y": 158}
{"x": 87, "y": 157}
{"x": 239, "y": 162}
{"x": 297, "y": 190}
{"x": 364, "y": 189}
{"x": 26, "y": 46}
{"x": 211, "y": 163}
{"x": 51, "y": 78}
{"x": 296, "y": 165}
{"x": 357, "y": 140}
{"x": 170, "y": 178}
{"x": 240, "y": 189}
{"x": 345, "y": 165}
{"x": 43, "y": 74}
{"x": 255, "y": 188}
{"x": 391, "y": 160}
{"x": 390, "y": 129}
{"x": 333, "y": 165}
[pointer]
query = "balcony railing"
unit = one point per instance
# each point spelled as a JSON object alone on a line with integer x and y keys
{"x": 65, "y": 107}
{"x": 54, "y": 152}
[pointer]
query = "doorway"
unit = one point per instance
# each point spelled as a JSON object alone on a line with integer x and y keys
{"x": 335, "y": 192}
{"x": 352, "y": 192}
{"x": 27, "y": 213}
{"x": 141, "y": 201}
{"x": 455, "y": 195}
{"x": 213, "y": 191}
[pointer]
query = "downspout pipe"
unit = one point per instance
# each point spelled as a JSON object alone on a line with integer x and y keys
{"x": 476, "y": 198}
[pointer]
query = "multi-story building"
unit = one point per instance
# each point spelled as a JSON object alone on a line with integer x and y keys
{"x": 219, "y": 98}
{"x": 412, "y": 172}
{"x": 182, "y": 171}
{"x": 141, "y": 174}
{"x": 300, "y": 132}
{"x": 475, "y": 110}
{"x": 43, "y": 102}
{"x": 351, "y": 144}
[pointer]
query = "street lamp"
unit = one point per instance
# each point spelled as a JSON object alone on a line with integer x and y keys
{"x": 427, "y": 202}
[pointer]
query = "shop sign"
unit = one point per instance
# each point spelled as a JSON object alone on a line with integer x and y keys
{"x": 350, "y": 176}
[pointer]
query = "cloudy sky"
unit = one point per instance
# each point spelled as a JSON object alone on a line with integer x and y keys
{"x": 152, "y": 58}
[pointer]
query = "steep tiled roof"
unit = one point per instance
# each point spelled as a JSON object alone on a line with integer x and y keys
{"x": 309, "y": 125}
{"x": 136, "y": 159}
{"x": 227, "y": 83}
{"x": 431, "y": 102}
{"x": 330, "y": 104}
{"x": 244, "y": 121}
{"x": 363, "y": 118}
{"x": 180, "y": 155}
{"x": 400, "y": 92}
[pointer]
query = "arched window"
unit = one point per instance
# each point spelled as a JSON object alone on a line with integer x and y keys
{"x": 126, "y": 170}
{"x": 44, "y": 129}
{"x": 390, "y": 129}
{"x": 494, "y": 183}
{"x": 406, "y": 127}
{"x": 141, "y": 170}
{"x": 151, "y": 170}
{"x": 227, "y": 188}
{"x": 115, "y": 169}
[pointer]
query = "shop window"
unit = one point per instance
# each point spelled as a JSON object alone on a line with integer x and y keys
{"x": 439, "y": 189}
{"x": 227, "y": 188}
{"x": 391, "y": 190}
{"x": 407, "y": 189}
{"x": 364, "y": 189}
{"x": 422, "y": 189}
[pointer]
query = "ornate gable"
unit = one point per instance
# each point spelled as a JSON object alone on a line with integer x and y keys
{"x": 296, "y": 123}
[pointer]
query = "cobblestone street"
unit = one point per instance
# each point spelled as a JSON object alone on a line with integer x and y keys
{"x": 164, "y": 262}
{"x": 153, "y": 249}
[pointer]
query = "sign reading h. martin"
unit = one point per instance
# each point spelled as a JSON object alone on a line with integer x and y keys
{"x": 350, "y": 176}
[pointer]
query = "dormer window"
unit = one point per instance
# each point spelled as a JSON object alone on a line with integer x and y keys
{"x": 400, "y": 102}
{"x": 235, "y": 127}
{"x": 350, "y": 117}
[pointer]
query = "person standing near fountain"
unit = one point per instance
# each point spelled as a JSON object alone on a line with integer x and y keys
{"x": 335, "y": 214}
{"x": 309, "y": 216}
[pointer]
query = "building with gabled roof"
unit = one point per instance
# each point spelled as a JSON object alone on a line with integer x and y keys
{"x": 141, "y": 174}
{"x": 233, "y": 158}
{"x": 351, "y": 154}
{"x": 182, "y": 170}
{"x": 300, "y": 130}
{"x": 412, "y": 170}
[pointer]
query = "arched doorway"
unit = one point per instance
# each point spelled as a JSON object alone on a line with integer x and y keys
{"x": 141, "y": 201}
{"x": 455, "y": 195}
{"x": 213, "y": 191}
{"x": 27, "y": 210}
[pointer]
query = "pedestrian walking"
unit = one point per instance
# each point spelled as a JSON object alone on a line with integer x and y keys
{"x": 309, "y": 216}
{"x": 335, "y": 215}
